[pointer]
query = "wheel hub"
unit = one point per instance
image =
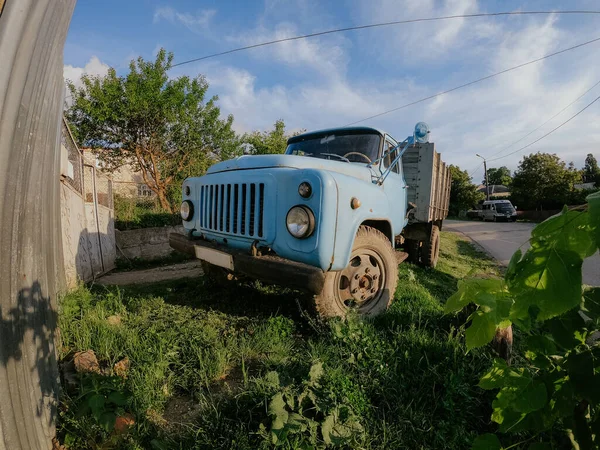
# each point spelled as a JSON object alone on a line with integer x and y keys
{"x": 361, "y": 281}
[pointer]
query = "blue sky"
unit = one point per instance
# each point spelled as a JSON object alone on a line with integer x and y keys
{"x": 336, "y": 79}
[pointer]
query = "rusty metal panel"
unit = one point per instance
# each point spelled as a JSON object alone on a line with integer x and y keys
{"x": 32, "y": 35}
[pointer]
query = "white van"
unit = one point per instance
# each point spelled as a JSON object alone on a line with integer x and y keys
{"x": 497, "y": 210}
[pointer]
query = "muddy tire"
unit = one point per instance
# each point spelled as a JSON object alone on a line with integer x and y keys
{"x": 413, "y": 248}
{"x": 431, "y": 248}
{"x": 367, "y": 285}
{"x": 216, "y": 275}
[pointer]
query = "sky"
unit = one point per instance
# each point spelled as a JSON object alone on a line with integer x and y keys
{"x": 337, "y": 79}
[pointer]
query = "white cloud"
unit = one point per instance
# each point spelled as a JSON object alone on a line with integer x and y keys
{"x": 194, "y": 22}
{"x": 93, "y": 67}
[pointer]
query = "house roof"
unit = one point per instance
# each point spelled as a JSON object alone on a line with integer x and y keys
{"x": 494, "y": 189}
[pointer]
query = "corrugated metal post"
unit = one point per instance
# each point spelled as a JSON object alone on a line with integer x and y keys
{"x": 32, "y": 36}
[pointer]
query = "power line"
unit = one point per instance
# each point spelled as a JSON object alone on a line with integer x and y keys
{"x": 385, "y": 24}
{"x": 550, "y": 132}
{"x": 475, "y": 81}
{"x": 551, "y": 118}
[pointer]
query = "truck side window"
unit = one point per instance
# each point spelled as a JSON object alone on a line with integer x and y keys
{"x": 387, "y": 146}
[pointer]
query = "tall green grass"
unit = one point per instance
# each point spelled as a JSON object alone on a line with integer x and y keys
{"x": 206, "y": 363}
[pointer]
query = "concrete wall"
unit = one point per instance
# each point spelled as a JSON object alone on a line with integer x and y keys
{"x": 145, "y": 243}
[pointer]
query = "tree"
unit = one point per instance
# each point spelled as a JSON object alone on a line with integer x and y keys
{"x": 159, "y": 125}
{"x": 499, "y": 176}
{"x": 463, "y": 193}
{"x": 591, "y": 171}
{"x": 543, "y": 181}
{"x": 267, "y": 142}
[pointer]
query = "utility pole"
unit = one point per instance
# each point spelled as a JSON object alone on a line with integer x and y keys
{"x": 487, "y": 185}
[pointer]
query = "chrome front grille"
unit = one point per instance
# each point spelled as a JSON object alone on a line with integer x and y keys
{"x": 234, "y": 208}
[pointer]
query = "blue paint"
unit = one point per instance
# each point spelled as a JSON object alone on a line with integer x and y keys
{"x": 245, "y": 201}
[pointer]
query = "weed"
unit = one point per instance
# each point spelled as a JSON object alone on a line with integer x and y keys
{"x": 246, "y": 367}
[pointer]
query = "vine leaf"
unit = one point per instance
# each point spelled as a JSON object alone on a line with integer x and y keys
{"x": 487, "y": 442}
{"x": 546, "y": 280}
{"x": 481, "y": 291}
{"x": 567, "y": 231}
{"x": 482, "y": 329}
{"x": 532, "y": 398}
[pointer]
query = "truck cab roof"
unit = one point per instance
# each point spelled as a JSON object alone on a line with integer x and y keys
{"x": 327, "y": 131}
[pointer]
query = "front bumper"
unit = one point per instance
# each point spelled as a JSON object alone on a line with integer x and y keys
{"x": 270, "y": 269}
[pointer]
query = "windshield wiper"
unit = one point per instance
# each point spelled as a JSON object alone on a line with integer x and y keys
{"x": 341, "y": 158}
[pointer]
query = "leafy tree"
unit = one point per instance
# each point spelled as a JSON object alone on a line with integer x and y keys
{"x": 463, "y": 193}
{"x": 160, "y": 125}
{"x": 266, "y": 142}
{"x": 543, "y": 181}
{"x": 500, "y": 175}
{"x": 556, "y": 386}
{"x": 591, "y": 171}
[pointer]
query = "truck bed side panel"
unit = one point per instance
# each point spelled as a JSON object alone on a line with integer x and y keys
{"x": 428, "y": 180}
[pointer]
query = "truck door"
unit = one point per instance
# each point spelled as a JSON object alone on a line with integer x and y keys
{"x": 394, "y": 187}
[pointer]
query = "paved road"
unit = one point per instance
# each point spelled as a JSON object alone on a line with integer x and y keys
{"x": 502, "y": 239}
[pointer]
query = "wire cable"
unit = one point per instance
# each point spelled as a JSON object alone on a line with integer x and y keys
{"x": 384, "y": 24}
{"x": 548, "y": 133}
{"x": 533, "y": 61}
{"x": 551, "y": 118}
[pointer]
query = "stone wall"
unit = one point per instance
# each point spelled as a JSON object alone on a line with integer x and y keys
{"x": 145, "y": 243}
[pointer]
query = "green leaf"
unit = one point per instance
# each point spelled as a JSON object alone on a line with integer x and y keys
{"x": 540, "y": 446}
{"x": 107, "y": 420}
{"x": 96, "y": 403}
{"x": 482, "y": 329}
{"x": 580, "y": 367}
{"x": 500, "y": 376}
{"x": 566, "y": 329}
{"x": 548, "y": 280}
{"x": 531, "y": 398}
{"x": 594, "y": 212}
{"x": 564, "y": 398}
{"x": 487, "y": 442}
{"x": 480, "y": 291}
{"x": 316, "y": 372}
{"x": 277, "y": 408}
{"x": 540, "y": 344}
{"x": 591, "y": 303}
{"x": 117, "y": 398}
{"x": 568, "y": 231}
{"x": 338, "y": 431}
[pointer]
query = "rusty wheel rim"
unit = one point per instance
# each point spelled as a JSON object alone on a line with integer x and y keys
{"x": 360, "y": 284}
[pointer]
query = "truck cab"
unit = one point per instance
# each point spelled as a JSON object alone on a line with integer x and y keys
{"x": 331, "y": 216}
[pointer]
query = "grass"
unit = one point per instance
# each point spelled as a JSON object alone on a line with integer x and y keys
{"x": 133, "y": 213}
{"x": 212, "y": 368}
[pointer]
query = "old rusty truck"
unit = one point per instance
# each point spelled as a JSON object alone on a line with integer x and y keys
{"x": 333, "y": 216}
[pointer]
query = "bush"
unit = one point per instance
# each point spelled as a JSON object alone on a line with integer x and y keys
{"x": 131, "y": 214}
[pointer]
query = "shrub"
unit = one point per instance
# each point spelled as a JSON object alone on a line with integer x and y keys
{"x": 131, "y": 213}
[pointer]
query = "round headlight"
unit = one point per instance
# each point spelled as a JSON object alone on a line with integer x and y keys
{"x": 300, "y": 222}
{"x": 187, "y": 210}
{"x": 305, "y": 189}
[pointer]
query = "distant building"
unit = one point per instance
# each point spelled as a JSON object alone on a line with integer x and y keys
{"x": 586, "y": 186}
{"x": 496, "y": 190}
{"x": 127, "y": 182}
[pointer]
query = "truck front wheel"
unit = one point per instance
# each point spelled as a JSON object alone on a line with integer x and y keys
{"x": 367, "y": 285}
{"x": 431, "y": 248}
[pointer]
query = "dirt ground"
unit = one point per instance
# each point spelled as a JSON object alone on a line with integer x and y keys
{"x": 189, "y": 269}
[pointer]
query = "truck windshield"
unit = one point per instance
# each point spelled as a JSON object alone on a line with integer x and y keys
{"x": 362, "y": 148}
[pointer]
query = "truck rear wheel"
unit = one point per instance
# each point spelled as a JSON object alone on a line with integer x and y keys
{"x": 367, "y": 285}
{"x": 431, "y": 248}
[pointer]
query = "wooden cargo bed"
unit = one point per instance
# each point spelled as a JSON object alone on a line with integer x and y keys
{"x": 428, "y": 183}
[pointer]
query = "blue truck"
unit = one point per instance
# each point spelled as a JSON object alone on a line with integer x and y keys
{"x": 333, "y": 216}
